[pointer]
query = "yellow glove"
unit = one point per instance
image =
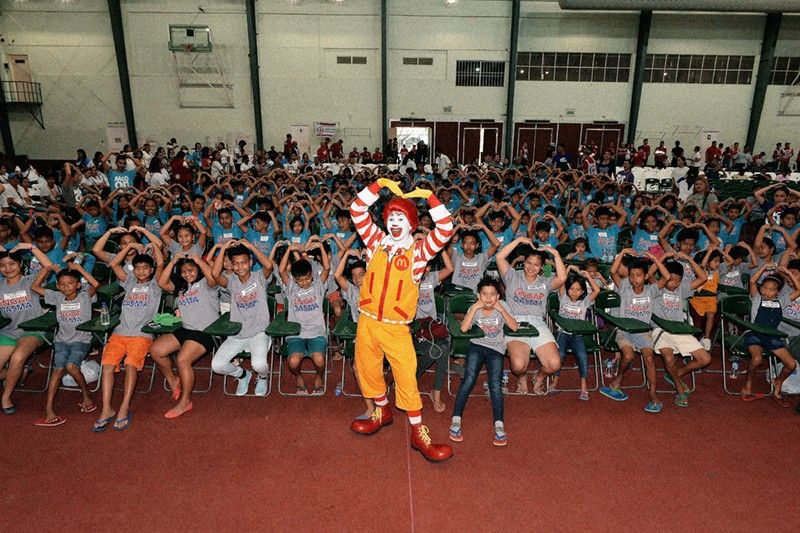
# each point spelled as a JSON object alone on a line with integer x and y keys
{"x": 391, "y": 185}
{"x": 418, "y": 193}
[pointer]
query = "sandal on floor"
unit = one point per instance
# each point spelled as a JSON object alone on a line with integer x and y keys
{"x": 319, "y": 391}
{"x": 583, "y": 396}
{"x": 302, "y": 390}
{"x": 101, "y": 424}
{"x": 87, "y": 408}
{"x": 50, "y": 422}
{"x": 10, "y": 410}
{"x": 752, "y": 397}
{"x": 780, "y": 400}
{"x": 122, "y": 424}
{"x": 654, "y": 407}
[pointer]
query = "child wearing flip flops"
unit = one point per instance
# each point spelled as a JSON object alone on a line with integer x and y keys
{"x": 73, "y": 305}
{"x": 490, "y": 315}
{"x": 305, "y": 293}
{"x": 637, "y": 297}
{"x": 128, "y": 342}
{"x": 767, "y": 310}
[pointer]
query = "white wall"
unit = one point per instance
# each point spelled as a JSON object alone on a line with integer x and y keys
{"x": 74, "y": 61}
{"x": 72, "y": 54}
{"x": 545, "y": 28}
{"x": 468, "y": 30}
{"x": 301, "y": 83}
{"x": 154, "y": 85}
{"x": 679, "y": 111}
{"x": 774, "y": 128}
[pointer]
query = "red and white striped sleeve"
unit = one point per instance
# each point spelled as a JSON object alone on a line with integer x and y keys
{"x": 370, "y": 233}
{"x": 436, "y": 240}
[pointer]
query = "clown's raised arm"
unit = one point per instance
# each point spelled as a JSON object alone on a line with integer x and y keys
{"x": 372, "y": 235}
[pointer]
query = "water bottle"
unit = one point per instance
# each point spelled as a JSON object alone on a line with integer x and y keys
{"x": 338, "y": 391}
{"x": 609, "y": 368}
{"x": 105, "y": 318}
{"x": 734, "y": 368}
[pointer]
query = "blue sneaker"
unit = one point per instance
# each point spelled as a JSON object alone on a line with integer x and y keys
{"x": 244, "y": 383}
{"x": 653, "y": 407}
{"x": 261, "y": 386}
{"x": 455, "y": 433}
{"x": 615, "y": 394}
{"x": 500, "y": 437}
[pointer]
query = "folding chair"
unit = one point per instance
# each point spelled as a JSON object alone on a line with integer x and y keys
{"x": 585, "y": 329}
{"x": 45, "y": 325}
{"x": 610, "y": 300}
{"x": 733, "y": 310}
{"x": 345, "y": 331}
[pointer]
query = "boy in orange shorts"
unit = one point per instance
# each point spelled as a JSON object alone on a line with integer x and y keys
{"x": 142, "y": 298}
{"x": 704, "y": 308}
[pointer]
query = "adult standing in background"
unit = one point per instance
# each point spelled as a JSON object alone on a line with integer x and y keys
{"x": 660, "y": 155}
{"x": 677, "y": 153}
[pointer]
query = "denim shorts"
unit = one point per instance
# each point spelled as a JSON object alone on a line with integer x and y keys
{"x": 306, "y": 346}
{"x": 768, "y": 343}
{"x": 72, "y": 353}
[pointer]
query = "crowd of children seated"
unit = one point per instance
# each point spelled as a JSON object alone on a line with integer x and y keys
{"x": 204, "y": 232}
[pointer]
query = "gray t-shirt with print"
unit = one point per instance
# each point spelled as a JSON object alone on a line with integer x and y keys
{"x": 351, "y": 296}
{"x": 467, "y": 272}
{"x": 790, "y": 309}
{"x": 525, "y": 297}
{"x": 426, "y": 305}
{"x": 139, "y": 307}
{"x": 492, "y": 326}
{"x": 638, "y": 306}
{"x": 731, "y": 276}
{"x": 305, "y": 307}
{"x": 70, "y": 314}
{"x": 18, "y": 303}
{"x": 176, "y": 249}
{"x": 573, "y": 310}
{"x": 669, "y": 304}
{"x": 198, "y": 305}
{"x": 249, "y": 303}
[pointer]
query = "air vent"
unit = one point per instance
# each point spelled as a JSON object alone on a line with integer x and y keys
{"x": 447, "y": 109}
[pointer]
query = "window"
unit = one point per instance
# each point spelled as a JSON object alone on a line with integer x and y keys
{"x": 573, "y": 66}
{"x": 348, "y": 60}
{"x": 418, "y": 61}
{"x": 785, "y": 70}
{"x": 690, "y": 68}
{"x": 480, "y": 73}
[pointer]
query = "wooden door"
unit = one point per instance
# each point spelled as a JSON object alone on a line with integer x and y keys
{"x": 445, "y": 139}
{"x": 470, "y": 145}
{"x": 538, "y": 137}
{"x": 491, "y": 140}
{"x": 20, "y": 69}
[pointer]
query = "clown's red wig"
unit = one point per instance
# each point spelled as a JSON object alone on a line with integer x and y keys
{"x": 406, "y": 207}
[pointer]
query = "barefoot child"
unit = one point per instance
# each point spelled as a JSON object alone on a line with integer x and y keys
{"x": 767, "y": 311}
{"x": 490, "y": 314}
{"x": 73, "y": 306}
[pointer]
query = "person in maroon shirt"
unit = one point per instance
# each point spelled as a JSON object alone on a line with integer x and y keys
{"x": 713, "y": 153}
{"x": 181, "y": 172}
{"x": 287, "y": 146}
{"x": 366, "y": 156}
{"x": 660, "y": 155}
{"x": 377, "y": 156}
{"x": 646, "y": 148}
{"x": 639, "y": 157}
{"x": 322, "y": 152}
{"x": 337, "y": 149}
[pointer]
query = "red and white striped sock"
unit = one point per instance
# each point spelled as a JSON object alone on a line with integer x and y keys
{"x": 414, "y": 417}
{"x": 380, "y": 401}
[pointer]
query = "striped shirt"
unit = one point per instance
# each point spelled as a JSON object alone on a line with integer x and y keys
{"x": 424, "y": 250}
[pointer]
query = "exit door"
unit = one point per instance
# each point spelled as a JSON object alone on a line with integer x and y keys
{"x": 476, "y": 143}
{"x": 19, "y": 68}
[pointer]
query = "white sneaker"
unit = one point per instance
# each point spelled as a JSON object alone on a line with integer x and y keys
{"x": 706, "y": 344}
{"x": 261, "y": 386}
{"x": 244, "y": 383}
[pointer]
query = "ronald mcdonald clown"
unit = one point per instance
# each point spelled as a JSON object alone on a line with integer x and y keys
{"x": 388, "y": 302}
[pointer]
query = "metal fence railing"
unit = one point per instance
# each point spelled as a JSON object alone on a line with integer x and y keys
{"x": 23, "y": 92}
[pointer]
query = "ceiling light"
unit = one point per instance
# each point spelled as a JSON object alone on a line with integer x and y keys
{"x": 448, "y": 3}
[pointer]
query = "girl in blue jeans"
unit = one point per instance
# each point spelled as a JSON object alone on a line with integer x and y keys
{"x": 490, "y": 315}
{"x": 573, "y": 301}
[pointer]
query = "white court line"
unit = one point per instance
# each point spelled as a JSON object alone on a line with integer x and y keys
{"x": 408, "y": 467}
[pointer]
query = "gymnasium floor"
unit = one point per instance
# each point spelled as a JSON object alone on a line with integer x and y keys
{"x": 289, "y": 464}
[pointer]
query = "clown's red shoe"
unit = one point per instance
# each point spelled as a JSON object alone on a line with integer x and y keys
{"x": 381, "y": 416}
{"x": 421, "y": 441}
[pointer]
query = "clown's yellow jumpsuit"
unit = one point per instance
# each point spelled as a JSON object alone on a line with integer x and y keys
{"x": 388, "y": 300}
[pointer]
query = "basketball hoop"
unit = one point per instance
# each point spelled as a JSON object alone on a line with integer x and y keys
{"x": 187, "y": 47}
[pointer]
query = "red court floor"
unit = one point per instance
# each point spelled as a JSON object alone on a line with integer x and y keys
{"x": 291, "y": 464}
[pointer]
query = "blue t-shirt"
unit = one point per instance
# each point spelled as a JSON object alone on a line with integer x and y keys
{"x": 121, "y": 180}
{"x": 220, "y": 234}
{"x": 643, "y": 240}
{"x": 603, "y": 242}
{"x": 94, "y": 227}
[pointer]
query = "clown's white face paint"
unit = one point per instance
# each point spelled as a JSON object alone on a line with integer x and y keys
{"x": 398, "y": 226}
